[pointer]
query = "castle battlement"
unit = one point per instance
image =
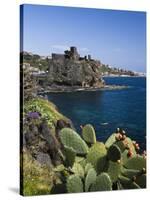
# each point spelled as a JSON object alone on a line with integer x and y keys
{"x": 71, "y": 54}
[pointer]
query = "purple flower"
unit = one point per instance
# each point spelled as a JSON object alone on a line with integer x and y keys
{"x": 33, "y": 115}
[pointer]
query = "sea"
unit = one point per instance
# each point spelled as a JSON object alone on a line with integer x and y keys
{"x": 107, "y": 110}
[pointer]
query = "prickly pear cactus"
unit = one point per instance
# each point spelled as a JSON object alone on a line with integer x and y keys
{"x": 130, "y": 173}
{"x": 83, "y": 163}
{"x": 121, "y": 145}
{"x": 97, "y": 156}
{"x": 70, "y": 138}
{"x": 128, "y": 183}
{"x": 111, "y": 140}
{"x": 130, "y": 145}
{"x": 125, "y": 156}
{"x": 74, "y": 184}
{"x": 79, "y": 159}
{"x": 114, "y": 170}
{"x": 114, "y": 153}
{"x": 78, "y": 170}
{"x": 88, "y": 166}
{"x": 69, "y": 156}
{"x": 126, "y": 144}
{"x": 136, "y": 178}
{"x": 90, "y": 179}
{"x": 115, "y": 165}
{"x": 137, "y": 162}
{"x": 88, "y": 134}
{"x": 102, "y": 183}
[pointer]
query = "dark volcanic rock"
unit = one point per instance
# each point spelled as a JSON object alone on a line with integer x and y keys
{"x": 75, "y": 73}
{"x": 69, "y": 69}
{"x": 42, "y": 144}
{"x": 44, "y": 159}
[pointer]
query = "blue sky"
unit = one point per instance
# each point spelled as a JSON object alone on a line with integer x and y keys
{"x": 117, "y": 38}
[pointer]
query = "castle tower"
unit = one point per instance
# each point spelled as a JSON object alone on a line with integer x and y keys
{"x": 89, "y": 57}
{"x": 74, "y": 53}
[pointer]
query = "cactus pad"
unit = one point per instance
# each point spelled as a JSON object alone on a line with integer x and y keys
{"x": 88, "y": 166}
{"x": 114, "y": 170}
{"x": 102, "y": 183}
{"x": 88, "y": 134}
{"x": 74, "y": 184}
{"x": 79, "y": 159}
{"x": 78, "y": 170}
{"x": 128, "y": 183}
{"x": 129, "y": 173}
{"x": 125, "y": 156}
{"x": 111, "y": 140}
{"x": 114, "y": 153}
{"x": 69, "y": 156}
{"x": 121, "y": 145}
{"x": 136, "y": 162}
{"x": 70, "y": 138}
{"x": 97, "y": 156}
{"x": 83, "y": 163}
{"x": 90, "y": 178}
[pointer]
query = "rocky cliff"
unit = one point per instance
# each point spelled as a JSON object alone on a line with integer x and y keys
{"x": 72, "y": 70}
{"x": 82, "y": 73}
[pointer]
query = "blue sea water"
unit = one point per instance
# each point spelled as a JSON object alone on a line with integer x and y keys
{"x": 106, "y": 110}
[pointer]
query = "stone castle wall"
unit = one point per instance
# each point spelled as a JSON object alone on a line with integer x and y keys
{"x": 72, "y": 70}
{"x": 71, "y": 54}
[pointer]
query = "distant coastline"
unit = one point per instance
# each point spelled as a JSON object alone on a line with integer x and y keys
{"x": 115, "y": 76}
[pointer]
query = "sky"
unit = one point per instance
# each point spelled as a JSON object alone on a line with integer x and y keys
{"x": 117, "y": 38}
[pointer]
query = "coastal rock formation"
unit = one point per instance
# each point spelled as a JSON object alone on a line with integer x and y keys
{"x": 69, "y": 69}
{"x": 42, "y": 144}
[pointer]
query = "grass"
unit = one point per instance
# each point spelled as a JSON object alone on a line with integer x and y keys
{"x": 47, "y": 109}
{"x": 37, "y": 179}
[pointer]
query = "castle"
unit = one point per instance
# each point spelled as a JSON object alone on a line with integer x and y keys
{"x": 71, "y": 54}
{"x": 70, "y": 69}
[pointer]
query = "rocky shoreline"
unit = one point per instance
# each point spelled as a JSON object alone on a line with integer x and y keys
{"x": 59, "y": 89}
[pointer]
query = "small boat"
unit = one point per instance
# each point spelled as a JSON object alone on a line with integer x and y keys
{"x": 104, "y": 124}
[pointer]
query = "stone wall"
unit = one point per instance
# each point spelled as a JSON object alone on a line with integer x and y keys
{"x": 70, "y": 69}
{"x": 59, "y": 57}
